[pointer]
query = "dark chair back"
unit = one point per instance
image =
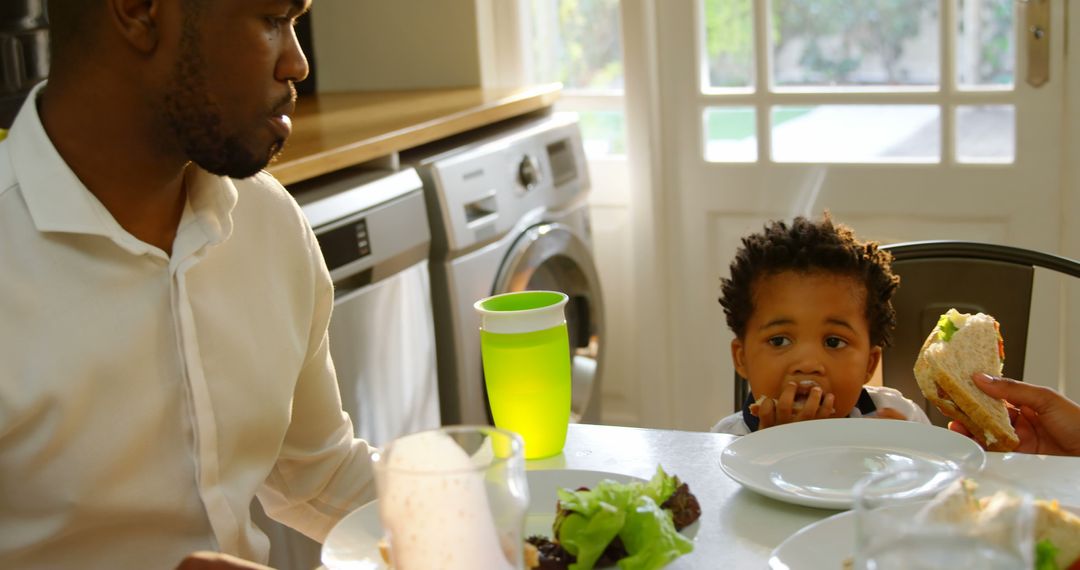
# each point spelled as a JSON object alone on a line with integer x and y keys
{"x": 971, "y": 277}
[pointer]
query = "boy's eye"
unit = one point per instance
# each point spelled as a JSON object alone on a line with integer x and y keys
{"x": 835, "y": 342}
{"x": 779, "y": 341}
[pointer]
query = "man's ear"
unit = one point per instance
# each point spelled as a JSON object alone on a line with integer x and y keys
{"x": 137, "y": 22}
{"x": 738, "y": 356}
{"x": 872, "y": 364}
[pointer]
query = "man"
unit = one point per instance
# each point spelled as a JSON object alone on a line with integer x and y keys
{"x": 164, "y": 304}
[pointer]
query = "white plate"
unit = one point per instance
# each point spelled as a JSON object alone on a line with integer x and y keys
{"x": 816, "y": 463}
{"x": 353, "y": 543}
{"x": 825, "y": 544}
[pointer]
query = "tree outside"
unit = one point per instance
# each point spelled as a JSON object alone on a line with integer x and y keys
{"x": 854, "y": 42}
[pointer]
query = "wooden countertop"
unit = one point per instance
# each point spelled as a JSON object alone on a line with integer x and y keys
{"x": 337, "y": 130}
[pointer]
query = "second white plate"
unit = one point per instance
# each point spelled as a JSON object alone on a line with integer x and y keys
{"x": 826, "y": 544}
{"x": 817, "y": 463}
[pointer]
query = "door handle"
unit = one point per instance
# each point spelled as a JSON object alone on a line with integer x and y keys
{"x": 1037, "y": 32}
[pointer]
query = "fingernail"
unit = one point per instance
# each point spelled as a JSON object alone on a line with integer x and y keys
{"x": 986, "y": 377}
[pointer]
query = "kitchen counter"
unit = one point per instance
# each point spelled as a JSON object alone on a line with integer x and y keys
{"x": 332, "y": 131}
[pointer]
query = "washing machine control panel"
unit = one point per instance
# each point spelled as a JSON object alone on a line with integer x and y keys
{"x": 484, "y": 189}
{"x": 563, "y": 161}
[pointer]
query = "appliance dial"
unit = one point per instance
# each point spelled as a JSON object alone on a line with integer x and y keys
{"x": 529, "y": 172}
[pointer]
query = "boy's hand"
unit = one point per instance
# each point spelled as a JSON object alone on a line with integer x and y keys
{"x": 782, "y": 410}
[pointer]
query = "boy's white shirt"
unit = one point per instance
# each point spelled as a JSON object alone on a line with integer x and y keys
{"x": 882, "y": 397}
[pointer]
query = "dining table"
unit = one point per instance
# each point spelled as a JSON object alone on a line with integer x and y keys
{"x": 739, "y": 528}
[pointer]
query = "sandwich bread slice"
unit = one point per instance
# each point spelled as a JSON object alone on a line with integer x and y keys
{"x": 960, "y": 345}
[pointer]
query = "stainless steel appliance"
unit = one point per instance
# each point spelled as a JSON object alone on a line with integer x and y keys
{"x": 508, "y": 211}
{"x": 24, "y": 53}
{"x": 373, "y": 231}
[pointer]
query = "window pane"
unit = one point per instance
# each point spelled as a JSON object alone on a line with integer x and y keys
{"x": 857, "y": 133}
{"x": 577, "y": 42}
{"x": 855, "y": 43}
{"x": 603, "y": 133}
{"x": 985, "y": 46}
{"x": 729, "y": 43}
{"x": 730, "y": 134}
{"x": 986, "y": 133}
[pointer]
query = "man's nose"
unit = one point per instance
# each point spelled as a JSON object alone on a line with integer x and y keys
{"x": 293, "y": 64}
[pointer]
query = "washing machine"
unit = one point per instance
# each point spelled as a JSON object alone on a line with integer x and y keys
{"x": 508, "y": 212}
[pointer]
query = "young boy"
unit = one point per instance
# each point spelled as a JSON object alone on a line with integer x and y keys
{"x": 810, "y": 308}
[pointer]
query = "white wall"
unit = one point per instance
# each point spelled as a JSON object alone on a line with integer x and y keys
{"x": 1070, "y": 201}
{"x": 390, "y": 44}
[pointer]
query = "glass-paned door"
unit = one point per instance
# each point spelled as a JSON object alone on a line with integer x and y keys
{"x": 907, "y": 119}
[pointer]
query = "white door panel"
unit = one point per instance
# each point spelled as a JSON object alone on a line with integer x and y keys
{"x": 712, "y": 205}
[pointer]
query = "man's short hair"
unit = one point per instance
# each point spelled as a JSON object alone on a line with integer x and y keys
{"x": 806, "y": 246}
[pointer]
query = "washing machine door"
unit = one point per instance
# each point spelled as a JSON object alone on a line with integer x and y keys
{"x": 551, "y": 257}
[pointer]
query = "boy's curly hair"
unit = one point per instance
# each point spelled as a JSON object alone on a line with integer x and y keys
{"x": 806, "y": 246}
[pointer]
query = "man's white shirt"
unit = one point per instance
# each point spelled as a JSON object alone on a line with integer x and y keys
{"x": 144, "y": 398}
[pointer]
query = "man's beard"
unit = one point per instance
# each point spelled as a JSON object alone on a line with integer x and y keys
{"x": 197, "y": 123}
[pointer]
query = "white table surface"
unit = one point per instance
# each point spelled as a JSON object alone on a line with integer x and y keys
{"x": 739, "y": 528}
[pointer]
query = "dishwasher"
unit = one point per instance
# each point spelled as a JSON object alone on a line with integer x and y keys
{"x": 372, "y": 228}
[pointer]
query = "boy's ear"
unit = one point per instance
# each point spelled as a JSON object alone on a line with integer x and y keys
{"x": 738, "y": 356}
{"x": 872, "y": 364}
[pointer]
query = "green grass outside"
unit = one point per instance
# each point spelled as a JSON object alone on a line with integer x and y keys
{"x": 606, "y": 126}
{"x": 738, "y": 123}
{"x": 721, "y": 124}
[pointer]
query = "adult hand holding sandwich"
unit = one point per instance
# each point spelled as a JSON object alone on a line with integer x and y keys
{"x": 1045, "y": 421}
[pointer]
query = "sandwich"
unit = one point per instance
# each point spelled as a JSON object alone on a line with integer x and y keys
{"x": 1057, "y": 537}
{"x": 960, "y": 345}
{"x": 1056, "y": 530}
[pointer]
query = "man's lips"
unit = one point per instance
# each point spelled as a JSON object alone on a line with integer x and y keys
{"x": 281, "y": 125}
{"x": 280, "y": 120}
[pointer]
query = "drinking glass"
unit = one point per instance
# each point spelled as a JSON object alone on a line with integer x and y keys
{"x": 453, "y": 498}
{"x": 917, "y": 519}
{"x": 526, "y": 356}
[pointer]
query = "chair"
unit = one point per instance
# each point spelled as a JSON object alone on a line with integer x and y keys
{"x": 981, "y": 277}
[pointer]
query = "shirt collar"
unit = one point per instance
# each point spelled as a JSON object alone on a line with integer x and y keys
{"x": 865, "y": 405}
{"x": 59, "y": 202}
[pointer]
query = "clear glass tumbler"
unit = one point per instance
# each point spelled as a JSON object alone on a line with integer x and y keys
{"x": 453, "y": 498}
{"x": 917, "y": 519}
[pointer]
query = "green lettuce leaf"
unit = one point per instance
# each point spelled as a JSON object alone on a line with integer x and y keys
{"x": 587, "y": 537}
{"x": 661, "y": 486}
{"x": 630, "y": 511}
{"x": 650, "y": 537}
{"x": 1045, "y": 554}
{"x": 946, "y": 328}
